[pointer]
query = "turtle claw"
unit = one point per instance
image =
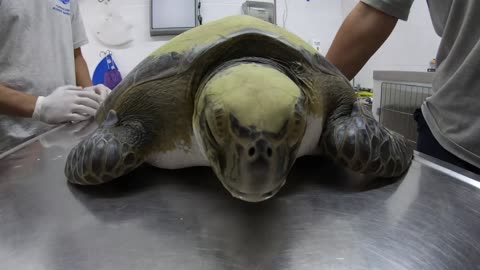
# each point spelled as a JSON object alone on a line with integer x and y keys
{"x": 358, "y": 142}
{"x": 108, "y": 153}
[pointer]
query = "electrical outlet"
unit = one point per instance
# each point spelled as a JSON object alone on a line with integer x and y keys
{"x": 316, "y": 44}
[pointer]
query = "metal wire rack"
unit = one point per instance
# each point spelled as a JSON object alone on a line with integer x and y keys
{"x": 398, "y": 102}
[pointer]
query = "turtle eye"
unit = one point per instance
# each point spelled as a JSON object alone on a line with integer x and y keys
{"x": 208, "y": 131}
{"x": 296, "y": 127}
{"x": 238, "y": 129}
{"x": 216, "y": 125}
{"x": 282, "y": 133}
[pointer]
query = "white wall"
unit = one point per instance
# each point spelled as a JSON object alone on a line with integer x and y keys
{"x": 312, "y": 19}
{"x": 411, "y": 46}
{"x": 136, "y": 12}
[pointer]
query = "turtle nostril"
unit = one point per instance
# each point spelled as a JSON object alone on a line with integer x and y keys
{"x": 269, "y": 152}
{"x": 251, "y": 151}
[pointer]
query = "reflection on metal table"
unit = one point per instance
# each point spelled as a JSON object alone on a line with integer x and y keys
{"x": 184, "y": 219}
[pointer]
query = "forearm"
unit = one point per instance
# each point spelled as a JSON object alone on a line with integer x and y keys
{"x": 364, "y": 30}
{"x": 16, "y": 103}
{"x": 81, "y": 70}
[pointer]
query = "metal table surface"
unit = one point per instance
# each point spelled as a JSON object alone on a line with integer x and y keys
{"x": 164, "y": 219}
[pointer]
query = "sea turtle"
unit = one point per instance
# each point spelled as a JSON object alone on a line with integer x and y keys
{"x": 246, "y": 98}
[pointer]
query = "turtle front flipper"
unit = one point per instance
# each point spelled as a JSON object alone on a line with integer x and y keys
{"x": 113, "y": 150}
{"x": 357, "y": 141}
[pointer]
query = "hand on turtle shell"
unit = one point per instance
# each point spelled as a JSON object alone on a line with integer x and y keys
{"x": 100, "y": 90}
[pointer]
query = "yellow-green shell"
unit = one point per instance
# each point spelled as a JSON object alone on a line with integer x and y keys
{"x": 159, "y": 91}
{"x": 221, "y": 29}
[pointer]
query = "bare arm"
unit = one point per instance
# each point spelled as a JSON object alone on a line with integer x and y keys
{"x": 364, "y": 30}
{"x": 16, "y": 103}
{"x": 81, "y": 69}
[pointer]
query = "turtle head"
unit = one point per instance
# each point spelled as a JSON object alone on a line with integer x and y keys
{"x": 250, "y": 120}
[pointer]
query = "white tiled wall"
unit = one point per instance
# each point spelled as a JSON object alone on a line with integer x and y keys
{"x": 410, "y": 47}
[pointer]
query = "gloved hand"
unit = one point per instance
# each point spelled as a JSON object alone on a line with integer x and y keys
{"x": 67, "y": 103}
{"x": 100, "y": 90}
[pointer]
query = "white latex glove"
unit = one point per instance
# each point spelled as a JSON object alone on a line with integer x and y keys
{"x": 66, "y": 103}
{"x": 100, "y": 90}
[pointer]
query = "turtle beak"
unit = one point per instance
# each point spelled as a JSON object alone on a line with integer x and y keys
{"x": 254, "y": 197}
{"x": 258, "y": 169}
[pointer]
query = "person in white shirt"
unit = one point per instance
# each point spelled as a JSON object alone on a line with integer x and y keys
{"x": 44, "y": 80}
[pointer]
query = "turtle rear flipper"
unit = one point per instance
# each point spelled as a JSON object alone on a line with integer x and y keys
{"x": 113, "y": 150}
{"x": 357, "y": 141}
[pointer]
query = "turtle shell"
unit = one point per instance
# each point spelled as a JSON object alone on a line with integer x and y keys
{"x": 160, "y": 91}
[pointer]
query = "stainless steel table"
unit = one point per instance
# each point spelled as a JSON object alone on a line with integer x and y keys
{"x": 160, "y": 219}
